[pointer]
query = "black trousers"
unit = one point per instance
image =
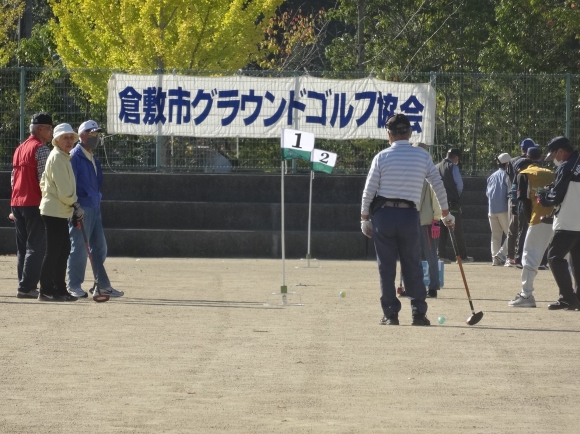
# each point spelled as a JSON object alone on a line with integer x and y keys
{"x": 53, "y": 273}
{"x": 30, "y": 246}
{"x": 565, "y": 242}
{"x": 444, "y": 235}
{"x": 512, "y": 237}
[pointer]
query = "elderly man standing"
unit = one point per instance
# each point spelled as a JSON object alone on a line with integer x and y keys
{"x": 394, "y": 186}
{"x": 89, "y": 179}
{"x": 453, "y": 187}
{"x": 28, "y": 162}
{"x": 498, "y": 187}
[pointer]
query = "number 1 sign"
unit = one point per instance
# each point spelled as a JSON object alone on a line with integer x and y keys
{"x": 296, "y": 144}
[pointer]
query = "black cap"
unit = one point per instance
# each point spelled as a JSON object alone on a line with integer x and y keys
{"x": 557, "y": 143}
{"x": 41, "y": 119}
{"x": 534, "y": 153}
{"x": 398, "y": 123}
{"x": 454, "y": 152}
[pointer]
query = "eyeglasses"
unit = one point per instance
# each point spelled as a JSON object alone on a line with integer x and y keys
{"x": 92, "y": 134}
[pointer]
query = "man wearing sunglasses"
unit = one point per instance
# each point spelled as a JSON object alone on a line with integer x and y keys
{"x": 89, "y": 179}
{"x": 392, "y": 193}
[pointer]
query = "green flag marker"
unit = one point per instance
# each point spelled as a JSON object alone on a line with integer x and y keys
{"x": 322, "y": 161}
{"x": 296, "y": 144}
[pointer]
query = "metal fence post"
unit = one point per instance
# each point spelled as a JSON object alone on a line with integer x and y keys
{"x": 159, "y": 137}
{"x": 568, "y": 104}
{"x": 433, "y": 83}
{"x": 22, "y": 101}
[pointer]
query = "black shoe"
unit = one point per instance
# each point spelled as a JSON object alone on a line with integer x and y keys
{"x": 390, "y": 320}
{"x": 68, "y": 297}
{"x": 432, "y": 293}
{"x": 564, "y": 305}
{"x": 420, "y": 320}
{"x": 50, "y": 298}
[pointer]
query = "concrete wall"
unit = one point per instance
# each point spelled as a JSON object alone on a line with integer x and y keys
{"x": 238, "y": 215}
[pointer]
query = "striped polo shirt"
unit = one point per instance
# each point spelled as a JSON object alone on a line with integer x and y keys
{"x": 398, "y": 172}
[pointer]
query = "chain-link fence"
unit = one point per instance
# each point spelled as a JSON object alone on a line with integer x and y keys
{"x": 481, "y": 114}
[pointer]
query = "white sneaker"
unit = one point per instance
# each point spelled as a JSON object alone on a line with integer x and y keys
{"x": 522, "y": 301}
{"x": 110, "y": 291}
{"x": 497, "y": 263}
{"x": 76, "y": 292}
{"x": 500, "y": 259}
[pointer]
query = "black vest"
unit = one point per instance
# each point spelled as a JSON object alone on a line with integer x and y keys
{"x": 445, "y": 170}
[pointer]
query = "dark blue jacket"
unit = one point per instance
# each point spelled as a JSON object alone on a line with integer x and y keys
{"x": 88, "y": 182}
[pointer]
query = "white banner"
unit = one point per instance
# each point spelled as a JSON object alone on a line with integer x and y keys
{"x": 241, "y": 106}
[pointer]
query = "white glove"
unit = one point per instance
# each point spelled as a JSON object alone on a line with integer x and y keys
{"x": 367, "y": 228}
{"x": 449, "y": 220}
{"x": 79, "y": 212}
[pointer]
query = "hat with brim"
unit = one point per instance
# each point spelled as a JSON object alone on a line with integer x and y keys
{"x": 90, "y": 126}
{"x": 62, "y": 129}
{"x": 504, "y": 158}
{"x": 41, "y": 119}
{"x": 555, "y": 144}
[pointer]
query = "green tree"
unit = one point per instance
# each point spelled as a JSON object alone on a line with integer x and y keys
{"x": 145, "y": 35}
{"x": 531, "y": 36}
{"x": 10, "y": 13}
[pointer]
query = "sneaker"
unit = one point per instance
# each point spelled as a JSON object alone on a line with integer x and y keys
{"x": 523, "y": 301}
{"x": 564, "y": 305}
{"x": 77, "y": 292}
{"x": 519, "y": 266}
{"x": 432, "y": 293}
{"x": 467, "y": 259}
{"x": 510, "y": 263}
{"x": 420, "y": 320}
{"x": 68, "y": 297}
{"x": 497, "y": 263}
{"x": 543, "y": 267}
{"x": 110, "y": 291}
{"x": 445, "y": 260}
{"x": 390, "y": 320}
{"x": 500, "y": 258}
{"x": 46, "y": 297}
{"x": 33, "y": 293}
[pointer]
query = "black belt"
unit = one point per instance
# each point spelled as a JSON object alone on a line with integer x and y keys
{"x": 394, "y": 204}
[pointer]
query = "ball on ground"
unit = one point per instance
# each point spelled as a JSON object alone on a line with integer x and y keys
{"x": 342, "y": 294}
{"x": 441, "y": 320}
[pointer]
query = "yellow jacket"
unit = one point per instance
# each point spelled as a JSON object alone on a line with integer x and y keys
{"x": 58, "y": 186}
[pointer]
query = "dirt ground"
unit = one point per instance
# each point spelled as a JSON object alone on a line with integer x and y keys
{"x": 192, "y": 348}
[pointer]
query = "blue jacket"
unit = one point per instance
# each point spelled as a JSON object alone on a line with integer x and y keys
{"x": 89, "y": 183}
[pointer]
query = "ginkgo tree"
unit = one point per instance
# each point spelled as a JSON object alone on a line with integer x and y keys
{"x": 10, "y": 13}
{"x": 157, "y": 35}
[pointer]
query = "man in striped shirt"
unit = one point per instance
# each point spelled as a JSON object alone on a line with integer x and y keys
{"x": 395, "y": 182}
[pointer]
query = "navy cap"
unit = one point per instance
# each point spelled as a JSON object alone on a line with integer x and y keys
{"x": 398, "y": 122}
{"x": 534, "y": 153}
{"x": 41, "y": 119}
{"x": 557, "y": 143}
{"x": 527, "y": 144}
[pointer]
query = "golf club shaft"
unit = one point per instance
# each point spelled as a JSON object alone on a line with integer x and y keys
{"x": 458, "y": 258}
{"x": 88, "y": 249}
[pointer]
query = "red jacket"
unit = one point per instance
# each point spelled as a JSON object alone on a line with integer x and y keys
{"x": 26, "y": 188}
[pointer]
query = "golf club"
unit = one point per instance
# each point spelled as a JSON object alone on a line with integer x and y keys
{"x": 475, "y": 317}
{"x": 97, "y": 296}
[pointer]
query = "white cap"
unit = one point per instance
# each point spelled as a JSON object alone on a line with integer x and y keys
{"x": 504, "y": 158}
{"x": 89, "y": 126}
{"x": 61, "y": 129}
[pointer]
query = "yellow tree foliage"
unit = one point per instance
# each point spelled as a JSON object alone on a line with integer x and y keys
{"x": 10, "y": 13}
{"x": 146, "y": 35}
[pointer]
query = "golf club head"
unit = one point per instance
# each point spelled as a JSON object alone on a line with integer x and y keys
{"x": 475, "y": 318}
{"x": 100, "y": 298}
